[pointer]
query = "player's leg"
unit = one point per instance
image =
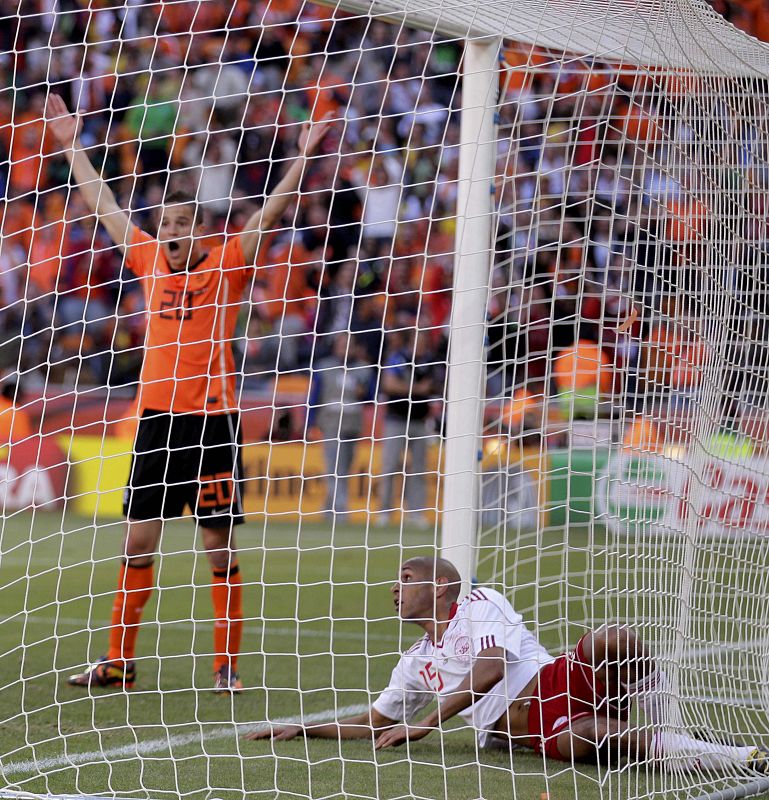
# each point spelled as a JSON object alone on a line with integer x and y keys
{"x": 134, "y": 589}
{"x": 218, "y": 508}
{"x": 136, "y": 581}
{"x": 227, "y": 599}
{"x": 594, "y": 738}
{"x": 135, "y": 585}
{"x": 610, "y": 740}
{"x": 149, "y": 498}
{"x": 623, "y": 665}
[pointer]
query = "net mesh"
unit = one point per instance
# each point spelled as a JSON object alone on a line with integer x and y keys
{"x": 626, "y": 322}
{"x": 622, "y": 477}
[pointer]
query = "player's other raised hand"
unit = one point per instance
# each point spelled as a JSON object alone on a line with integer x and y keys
{"x": 313, "y": 133}
{"x": 65, "y": 126}
{"x": 280, "y": 733}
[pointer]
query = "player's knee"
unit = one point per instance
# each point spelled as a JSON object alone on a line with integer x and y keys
{"x": 218, "y": 549}
{"x": 220, "y": 560}
{"x": 141, "y": 541}
{"x": 139, "y": 550}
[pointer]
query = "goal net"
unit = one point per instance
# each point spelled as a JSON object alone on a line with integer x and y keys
{"x": 509, "y": 304}
{"x": 624, "y": 464}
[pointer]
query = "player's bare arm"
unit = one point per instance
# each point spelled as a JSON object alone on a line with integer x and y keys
{"x": 488, "y": 670}
{"x": 282, "y": 196}
{"x": 97, "y": 195}
{"x": 362, "y": 726}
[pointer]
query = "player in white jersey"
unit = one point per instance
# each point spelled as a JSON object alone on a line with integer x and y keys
{"x": 479, "y": 661}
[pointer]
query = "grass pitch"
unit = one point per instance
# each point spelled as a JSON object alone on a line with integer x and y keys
{"x": 318, "y": 615}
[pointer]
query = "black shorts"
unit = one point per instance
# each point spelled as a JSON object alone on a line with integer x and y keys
{"x": 186, "y": 460}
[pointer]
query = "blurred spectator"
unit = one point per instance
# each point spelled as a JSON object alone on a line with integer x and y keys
{"x": 28, "y": 146}
{"x": 380, "y": 189}
{"x": 673, "y": 355}
{"x": 335, "y": 308}
{"x": 520, "y": 338}
{"x": 341, "y": 384}
{"x": 214, "y": 183}
{"x": 367, "y": 324}
{"x": 528, "y": 412}
{"x": 285, "y": 300}
{"x": 411, "y": 380}
{"x": 643, "y": 435}
{"x": 149, "y": 126}
{"x": 590, "y": 215}
{"x": 583, "y": 375}
{"x": 15, "y": 421}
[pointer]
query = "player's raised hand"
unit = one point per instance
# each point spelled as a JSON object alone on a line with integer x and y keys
{"x": 65, "y": 126}
{"x": 280, "y": 733}
{"x": 313, "y": 133}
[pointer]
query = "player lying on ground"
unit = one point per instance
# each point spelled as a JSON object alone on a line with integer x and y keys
{"x": 485, "y": 665}
{"x": 187, "y": 441}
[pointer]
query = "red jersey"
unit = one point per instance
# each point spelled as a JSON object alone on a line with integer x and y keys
{"x": 189, "y": 366}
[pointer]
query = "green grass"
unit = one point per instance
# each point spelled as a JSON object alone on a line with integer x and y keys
{"x": 318, "y": 615}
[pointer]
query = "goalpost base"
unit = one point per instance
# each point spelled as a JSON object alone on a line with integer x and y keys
{"x": 754, "y": 788}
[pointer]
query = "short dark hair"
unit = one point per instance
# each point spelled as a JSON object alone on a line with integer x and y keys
{"x": 179, "y": 197}
{"x": 433, "y": 568}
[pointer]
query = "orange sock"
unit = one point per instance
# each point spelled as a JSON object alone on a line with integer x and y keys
{"x": 134, "y": 589}
{"x": 227, "y": 595}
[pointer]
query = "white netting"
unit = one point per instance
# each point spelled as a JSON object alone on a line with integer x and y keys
{"x": 669, "y": 33}
{"x": 622, "y": 476}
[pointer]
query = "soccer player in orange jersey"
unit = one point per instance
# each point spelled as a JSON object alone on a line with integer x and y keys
{"x": 187, "y": 442}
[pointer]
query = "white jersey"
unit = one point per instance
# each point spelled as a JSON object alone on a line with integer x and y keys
{"x": 482, "y": 620}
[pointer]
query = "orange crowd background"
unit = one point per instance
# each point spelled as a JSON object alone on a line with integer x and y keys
{"x": 161, "y": 87}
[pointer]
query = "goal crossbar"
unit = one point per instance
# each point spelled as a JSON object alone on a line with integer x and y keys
{"x": 653, "y": 34}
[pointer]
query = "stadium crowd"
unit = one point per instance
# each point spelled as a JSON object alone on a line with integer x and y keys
{"x": 369, "y": 249}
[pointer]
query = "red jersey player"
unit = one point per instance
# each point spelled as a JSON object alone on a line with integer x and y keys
{"x": 186, "y": 451}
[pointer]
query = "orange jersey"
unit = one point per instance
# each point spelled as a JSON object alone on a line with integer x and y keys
{"x": 189, "y": 367}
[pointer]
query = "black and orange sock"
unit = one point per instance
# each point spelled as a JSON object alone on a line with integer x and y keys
{"x": 227, "y": 596}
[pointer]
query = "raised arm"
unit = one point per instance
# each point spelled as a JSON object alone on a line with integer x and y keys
{"x": 488, "y": 670}
{"x": 97, "y": 195}
{"x": 285, "y": 192}
{"x": 361, "y": 726}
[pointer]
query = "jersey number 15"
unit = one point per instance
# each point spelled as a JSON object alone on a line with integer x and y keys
{"x": 432, "y": 677}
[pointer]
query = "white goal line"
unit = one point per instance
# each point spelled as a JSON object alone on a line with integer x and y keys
{"x": 6, "y": 795}
{"x": 165, "y": 744}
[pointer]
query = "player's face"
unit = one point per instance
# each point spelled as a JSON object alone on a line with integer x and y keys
{"x": 414, "y": 594}
{"x": 177, "y": 234}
